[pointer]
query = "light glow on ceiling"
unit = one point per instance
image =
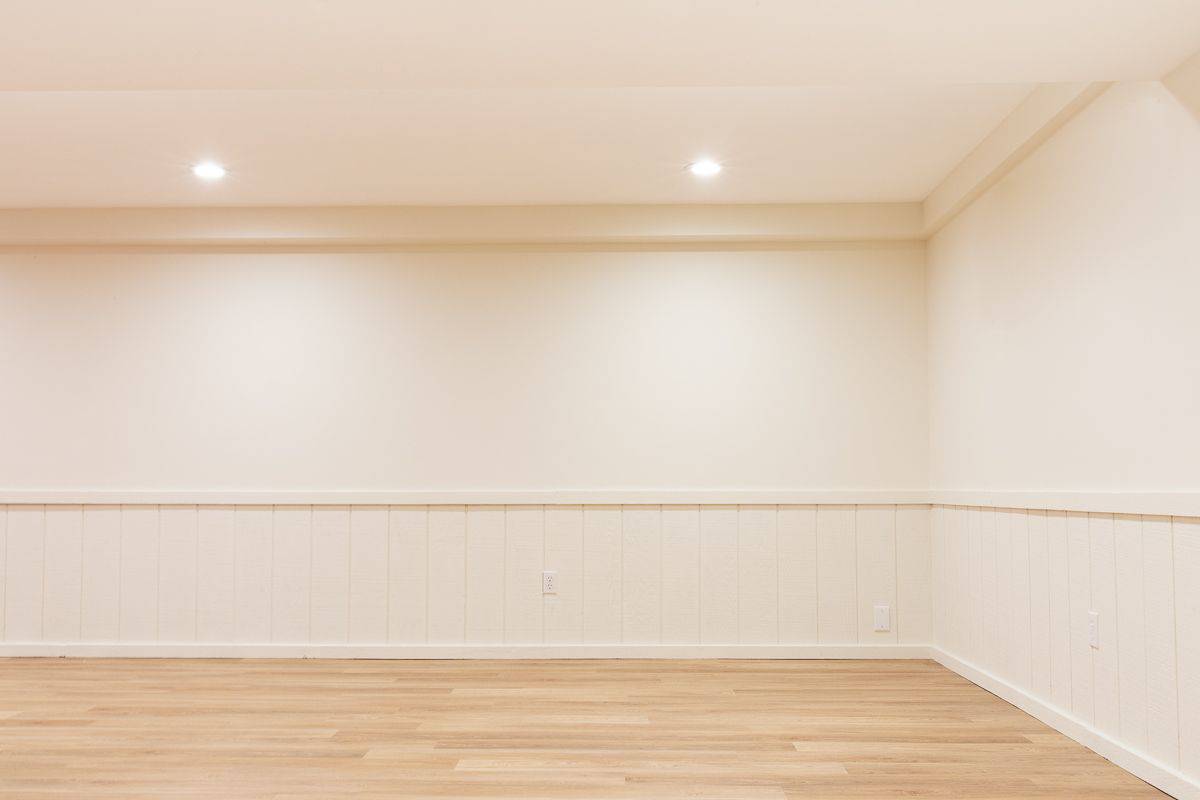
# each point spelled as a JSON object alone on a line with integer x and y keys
{"x": 704, "y": 168}
{"x": 208, "y": 171}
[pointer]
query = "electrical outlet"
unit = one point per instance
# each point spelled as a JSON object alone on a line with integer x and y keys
{"x": 883, "y": 618}
{"x": 1094, "y": 629}
{"x": 549, "y": 582}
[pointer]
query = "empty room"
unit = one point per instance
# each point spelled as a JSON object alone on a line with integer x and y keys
{"x": 672, "y": 399}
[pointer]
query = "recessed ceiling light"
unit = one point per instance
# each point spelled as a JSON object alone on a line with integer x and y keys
{"x": 704, "y": 168}
{"x": 208, "y": 170}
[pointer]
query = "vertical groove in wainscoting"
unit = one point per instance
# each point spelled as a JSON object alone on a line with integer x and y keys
{"x": 817, "y": 572}
{"x": 658, "y": 524}
{"x": 271, "y": 574}
{"x": 579, "y": 634}
{"x": 736, "y": 596}
{"x": 349, "y": 573}
{"x": 429, "y": 548}
{"x": 3, "y": 567}
{"x": 42, "y": 579}
{"x": 81, "y": 549}
{"x": 857, "y": 589}
{"x": 158, "y": 574}
{"x": 777, "y": 600}
{"x": 1179, "y": 707}
{"x": 1186, "y": 535}
{"x": 387, "y": 573}
{"x": 1141, "y": 687}
{"x": 699, "y": 574}
{"x": 1162, "y": 657}
{"x": 623, "y": 584}
{"x": 896, "y": 575}
{"x": 542, "y": 577}
{"x": 311, "y": 558}
{"x": 120, "y": 568}
{"x": 503, "y": 635}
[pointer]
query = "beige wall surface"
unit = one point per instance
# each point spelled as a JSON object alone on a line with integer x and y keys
{"x": 1064, "y": 311}
{"x": 789, "y": 369}
{"x": 1013, "y": 593}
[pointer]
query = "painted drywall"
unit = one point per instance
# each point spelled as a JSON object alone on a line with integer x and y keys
{"x": 411, "y": 576}
{"x": 1063, "y": 363}
{"x": 1063, "y": 322}
{"x": 1012, "y": 592}
{"x": 464, "y": 370}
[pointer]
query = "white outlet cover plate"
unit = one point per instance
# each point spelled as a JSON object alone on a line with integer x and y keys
{"x": 883, "y": 618}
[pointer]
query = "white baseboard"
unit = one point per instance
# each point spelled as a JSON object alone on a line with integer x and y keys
{"x": 1154, "y": 772}
{"x": 1169, "y": 504}
{"x": 419, "y": 651}
{"x": 1165, "y": 504}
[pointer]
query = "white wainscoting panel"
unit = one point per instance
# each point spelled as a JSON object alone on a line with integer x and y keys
{"x": 369, "y": 565}
{"x": 447, "y": 575}
{"x": 1162, "y": 683}
{"x": 758, "y": 575}
{"x": 564, "y": 555}
{"x": 252, "y": 573}
{"x": 718, "y": 574}
{"x": 101, "y": 574}
{"x": 914, "y": 576}
{"x": 372, "y": 575}
{"x": 797, "y": 541}
{"x": 291, "y": 573}
{"x": 680, "y": 574}
{"x": 408, "y": 574}
{"x": 216, "y": 579}
{"x": 524, "y": 562}
{"x": 1136, "y": 694}
{"x": 3, "y": 564}
{"x": 837, "y": 575}
{"x": 1187, "y": 642}
{"x": 25, "y": 579}
{"x": 63, "y": 572}
{"x": 178, "y": 538}
{"x": 641, "y": 574}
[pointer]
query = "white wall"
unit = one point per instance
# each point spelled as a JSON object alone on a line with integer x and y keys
{"x": 1013, "y": 589}
{"x": 741, "y": 368}
{"x": 238, "y": 580}
{"x": 1064, "y": 322}
{"x": 1064, "y": 360}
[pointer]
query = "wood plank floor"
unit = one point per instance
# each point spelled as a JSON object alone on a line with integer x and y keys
{"x": 734, "y": 730}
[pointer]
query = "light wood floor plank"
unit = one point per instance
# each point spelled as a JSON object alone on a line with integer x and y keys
{"x": 726, "y": 730}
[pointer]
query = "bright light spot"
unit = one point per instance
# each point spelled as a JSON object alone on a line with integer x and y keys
{"x": 704, "y": 168}
{"x": 208, "y": 170}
